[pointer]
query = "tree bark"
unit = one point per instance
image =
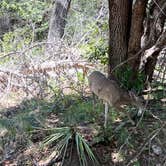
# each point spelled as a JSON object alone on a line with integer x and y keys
{"x": 136, "y": 31}
{"x": 150, "y": 66}
{"x": 58, "y": 20}
{"x": 5, "y": 24}
{"x": 151, "y": 56}
{"x": 119, "y": 26}
{"x": 137, "y": 34}
{"x": 156, "y": 38}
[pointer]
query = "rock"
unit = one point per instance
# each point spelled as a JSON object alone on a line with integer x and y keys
{"x": 156, "y": 149}
{"x": 3, "y": 132}
{"x": 158, "y": 164}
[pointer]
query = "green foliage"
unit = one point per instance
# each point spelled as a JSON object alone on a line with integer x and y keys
{"x": 27, "y": 10}
{"x": 122, "y": 135}
{"x": 97, "y": 53}
{"x": 41, "y": 31}
{"x": 86, "y": 6}
{"x": 136, "y": 163}
{"x": 81, "y": 112}
{"x": 84, "y": 150}
{"x": 88, "y": 29}
{"x": 105, "y": 135}
{"x": 27, "y": 118}
{"x": 16, "y": 40}
{"x": 95, "y": 48}
{"x": 124, "y": 77}
{"x": 80, "y": 77}
{"x": 9, "y": 125}
{"x": 21, "y": 123}
{"x": 62, "y": 138}
{"x": 26, "y": 21}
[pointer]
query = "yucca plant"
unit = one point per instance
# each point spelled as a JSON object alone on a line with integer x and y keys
{"x": 63, "y": 138}
{"x": 84, "y": 151}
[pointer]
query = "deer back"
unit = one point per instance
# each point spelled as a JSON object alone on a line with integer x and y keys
{"x": 111, "y": 92}
{"x": 104, "y": 88}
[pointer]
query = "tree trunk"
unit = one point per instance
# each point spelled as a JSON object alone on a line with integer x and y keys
{"x": 119, "y": 26}
{"x": 58, "y": 20}
{"x": 151, "y": 56}
{"x": 157, "y": 38}
{"x": 137, "y": 35}
{"x": 5, "y": 24}
{"x": 136, "y": 31}
{"x": 149, "y": 66}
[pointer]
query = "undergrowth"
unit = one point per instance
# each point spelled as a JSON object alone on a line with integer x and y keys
{"x": 73, "y": 110}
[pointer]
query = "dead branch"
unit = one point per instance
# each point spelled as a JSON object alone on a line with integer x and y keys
{"x": 151, "y": 136}
{"x": 160, "y": 44}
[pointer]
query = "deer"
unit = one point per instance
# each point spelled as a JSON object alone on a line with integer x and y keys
{"x": 112, "y": 94}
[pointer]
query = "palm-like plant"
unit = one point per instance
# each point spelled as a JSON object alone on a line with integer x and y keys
{"x": 63, "y": 138}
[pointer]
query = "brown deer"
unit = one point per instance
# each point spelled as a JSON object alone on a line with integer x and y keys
{"x": 110, "y": 91}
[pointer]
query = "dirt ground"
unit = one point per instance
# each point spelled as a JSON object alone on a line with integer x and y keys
{"x": 122, "y": 145}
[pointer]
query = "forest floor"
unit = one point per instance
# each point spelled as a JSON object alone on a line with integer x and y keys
{"x": 121, "y": 144}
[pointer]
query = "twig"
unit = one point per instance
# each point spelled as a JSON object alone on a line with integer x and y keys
{"x": 150, "y": 137}
{"x": 161, "y": 9}
{"x": 27, "y": 49}
{"x": 131, "y": 58}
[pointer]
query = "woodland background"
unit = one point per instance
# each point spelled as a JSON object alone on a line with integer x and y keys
{"x": 47, "y": 113}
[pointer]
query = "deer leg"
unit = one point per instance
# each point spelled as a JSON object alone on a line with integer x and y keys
{"x": 105, "y": 114}
{"x": 139, "y": 113}
{"x": 93, "y": 101}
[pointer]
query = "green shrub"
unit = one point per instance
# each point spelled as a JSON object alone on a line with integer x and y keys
{"x": 124, "y": 77}
{"x": 63, "y": 138}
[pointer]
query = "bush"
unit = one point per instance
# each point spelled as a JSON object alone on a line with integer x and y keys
{"x": 124, "y": 77}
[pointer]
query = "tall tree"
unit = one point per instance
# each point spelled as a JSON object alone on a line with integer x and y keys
{"x": 58, "y": 19}
{"x": 5, "y": 24}
{"x": 136, "y": 30}
{"x": 119, "y": 23}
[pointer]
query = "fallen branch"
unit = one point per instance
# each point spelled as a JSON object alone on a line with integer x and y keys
{"x": 150, "y": 138}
